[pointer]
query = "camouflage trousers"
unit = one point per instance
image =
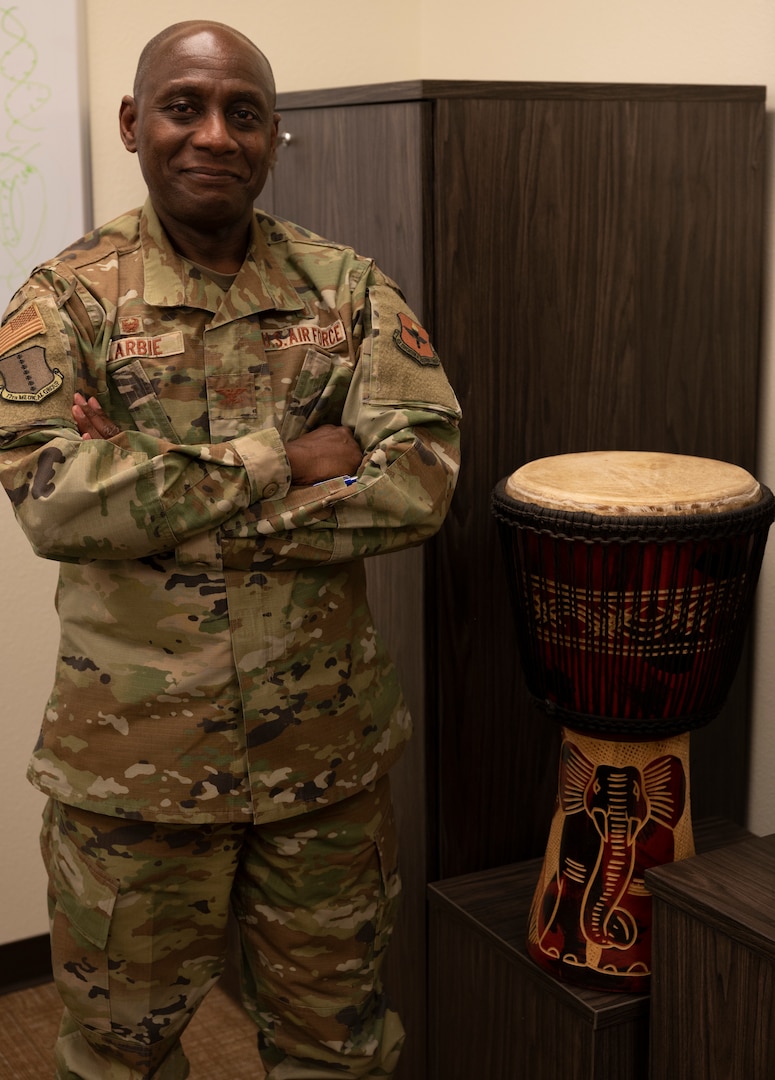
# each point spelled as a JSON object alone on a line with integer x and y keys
{"x": 139, "y": 914}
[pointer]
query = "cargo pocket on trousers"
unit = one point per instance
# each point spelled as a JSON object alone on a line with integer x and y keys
{"x": 82, "y": 899}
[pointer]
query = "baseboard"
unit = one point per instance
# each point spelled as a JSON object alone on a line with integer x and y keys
{"x": 25, "y": 963}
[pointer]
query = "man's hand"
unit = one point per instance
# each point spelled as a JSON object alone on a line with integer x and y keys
{"x": 91, "y": 420}
{"x": 323, "y": 453}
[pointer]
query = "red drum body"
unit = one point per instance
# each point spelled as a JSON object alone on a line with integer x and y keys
{"x": 632, "y": 578}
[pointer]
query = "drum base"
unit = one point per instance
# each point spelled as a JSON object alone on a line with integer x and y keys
{"x": 621, "y": 809}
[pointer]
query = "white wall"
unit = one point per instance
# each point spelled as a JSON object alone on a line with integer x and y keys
{"x": 316, "y": 45}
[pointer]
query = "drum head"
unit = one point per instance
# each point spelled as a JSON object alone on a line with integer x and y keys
{"x": 622, "y": 482}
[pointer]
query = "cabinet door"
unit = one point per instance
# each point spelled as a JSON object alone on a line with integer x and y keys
{"x": 355, "y": 175}
{"x": 597, "y": 287}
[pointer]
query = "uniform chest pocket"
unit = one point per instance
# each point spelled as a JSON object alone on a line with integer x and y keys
{"x": 318, "y": 395}
{"x": 139, "y": 396}
{"x": 232, "y": 405}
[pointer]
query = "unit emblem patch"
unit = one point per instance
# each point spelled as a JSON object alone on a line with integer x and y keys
{"x": 412, "y": 339}
{"x": 27, "y": 376}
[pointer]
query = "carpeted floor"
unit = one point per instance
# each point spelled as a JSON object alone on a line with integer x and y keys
{"x": 220, "y": 1041}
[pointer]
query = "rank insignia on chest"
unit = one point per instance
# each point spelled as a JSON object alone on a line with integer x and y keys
{"x": 129, "y": 324}
{"x": 413, "y": 340}
{"x": 27, "y": 376}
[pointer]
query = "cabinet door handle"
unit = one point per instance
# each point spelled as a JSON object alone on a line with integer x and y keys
{"x": 284, "y": 139}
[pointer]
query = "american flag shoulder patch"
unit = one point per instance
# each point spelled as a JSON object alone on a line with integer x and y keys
{"x": 25, "y": 324}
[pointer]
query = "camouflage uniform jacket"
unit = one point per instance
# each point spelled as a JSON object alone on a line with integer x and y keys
{"x": 218, "y": 660}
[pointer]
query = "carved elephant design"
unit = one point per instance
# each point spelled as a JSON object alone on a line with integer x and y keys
{"x": 617, "y": 821}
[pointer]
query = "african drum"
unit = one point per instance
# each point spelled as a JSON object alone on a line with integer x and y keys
{"x": 632, "y": 578}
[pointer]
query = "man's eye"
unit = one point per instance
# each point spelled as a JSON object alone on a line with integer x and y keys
{"x": 181, "y": 108}
{"x": 244, "y": 115}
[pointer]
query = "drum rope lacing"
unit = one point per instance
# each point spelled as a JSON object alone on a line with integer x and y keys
{"x": 611, "y": 617}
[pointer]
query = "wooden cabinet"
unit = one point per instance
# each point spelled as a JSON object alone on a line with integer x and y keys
{"x": 713, "y": 991}
{"x": 588, "y": 261}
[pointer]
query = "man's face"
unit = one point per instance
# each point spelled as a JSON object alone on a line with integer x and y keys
{"x": 204, "y": 130}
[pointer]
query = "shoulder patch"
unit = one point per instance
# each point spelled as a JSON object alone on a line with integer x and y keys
{"x": 415, "y": 341}
{"x": 393, "y": 334}
{"x": 25, "y": 324}
{"x": 33, "y": 359}
{"x": 27, "y": 376}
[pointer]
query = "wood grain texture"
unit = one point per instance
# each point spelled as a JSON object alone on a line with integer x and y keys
{"x": 713, "y": 995}
{"x": 714, "y": 1017}
{"x": 356, "y": 175}
{"x": 730, "y": 890}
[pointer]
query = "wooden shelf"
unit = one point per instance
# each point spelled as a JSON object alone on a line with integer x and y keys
{"x": 526, "y": 1022}
{"x": 482, "y": 980}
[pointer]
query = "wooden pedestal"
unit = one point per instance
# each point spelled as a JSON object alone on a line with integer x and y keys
{"x": 713, "y": 990}
{"x": 494, "y": 1013}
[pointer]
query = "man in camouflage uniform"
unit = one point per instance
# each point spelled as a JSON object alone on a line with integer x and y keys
{"x": 210, "y": 417}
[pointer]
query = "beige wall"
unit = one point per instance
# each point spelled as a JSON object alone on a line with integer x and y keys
{"x": 314, "y": 45}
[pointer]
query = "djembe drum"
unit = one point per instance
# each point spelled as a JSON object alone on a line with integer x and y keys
{"x": 632, "y": 577}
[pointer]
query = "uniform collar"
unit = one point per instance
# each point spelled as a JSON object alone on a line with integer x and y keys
{"x": 171, "y": 281}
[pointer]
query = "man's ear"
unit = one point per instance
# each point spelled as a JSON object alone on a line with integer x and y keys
{"x": 273, "y": 140}
{"x": 127, "y": 121}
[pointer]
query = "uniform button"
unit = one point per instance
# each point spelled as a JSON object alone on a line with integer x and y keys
{"x": 270, "y": 490}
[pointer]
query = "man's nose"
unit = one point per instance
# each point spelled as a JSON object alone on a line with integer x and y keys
{"x": 212, "y": 132}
